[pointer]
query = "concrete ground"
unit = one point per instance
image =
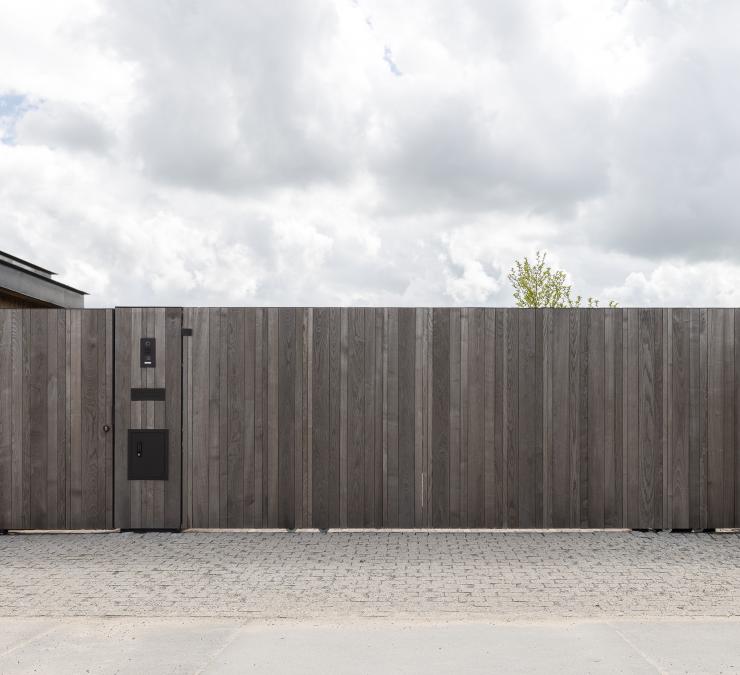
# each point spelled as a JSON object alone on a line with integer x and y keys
{"x": 370, "y": 602}
{"x": 135, "y": 646}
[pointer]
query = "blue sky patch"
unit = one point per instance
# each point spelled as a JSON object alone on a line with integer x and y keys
{"x": 12, "y": 108}
{"x": 388, "y": 58}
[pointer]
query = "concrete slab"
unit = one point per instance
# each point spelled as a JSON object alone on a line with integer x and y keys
{"x": 128, "y": 646}
{"x": 16, "y": 633}
{"x": 429, "y": 649}
{"x": 678, "y": 647}
{"x": 207, "y": 646}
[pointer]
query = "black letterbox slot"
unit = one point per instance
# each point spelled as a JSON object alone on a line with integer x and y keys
{"x": 143, "y": 394}
{"x": 147, "y": 454}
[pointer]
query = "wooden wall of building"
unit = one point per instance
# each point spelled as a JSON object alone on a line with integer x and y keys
{"x": 14, "y": 301}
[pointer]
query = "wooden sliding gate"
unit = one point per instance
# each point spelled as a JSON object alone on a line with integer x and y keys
{"x": 372, "y": 417}
{"x": 386, "y": 417}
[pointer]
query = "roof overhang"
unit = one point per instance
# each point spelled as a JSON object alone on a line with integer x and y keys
{"x": 36, "y": 285}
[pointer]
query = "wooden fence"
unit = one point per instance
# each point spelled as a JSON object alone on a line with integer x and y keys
{"x": 375, "y": 417}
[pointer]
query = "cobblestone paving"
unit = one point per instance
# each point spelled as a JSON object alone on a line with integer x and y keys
{"x": 340, "y": 574}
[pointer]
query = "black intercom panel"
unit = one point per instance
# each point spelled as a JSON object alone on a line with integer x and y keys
{"x": 147, "y": 454}
{"x": 148, "y": 351}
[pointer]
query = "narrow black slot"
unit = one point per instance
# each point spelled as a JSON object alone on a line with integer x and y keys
{"x": 143, "y": 394}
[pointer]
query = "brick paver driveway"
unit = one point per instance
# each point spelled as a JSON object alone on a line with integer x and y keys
{"x": 507, "y": 575}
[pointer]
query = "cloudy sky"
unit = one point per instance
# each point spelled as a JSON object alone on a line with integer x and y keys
{"x": 361, "y": 152}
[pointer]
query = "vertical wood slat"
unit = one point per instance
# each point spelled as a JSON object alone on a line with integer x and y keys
{"x": 721, "y": 406}
{"x": 631, "y": 398}
{"x": 259, "y": 423}
{"x": 309, "y": 417}
{"x": 343, "y": 414}
{"x": 583, "y": 420}
{"x": 297, "y": 456}
{"x": 17, "y": 418}
{"x": 660, "y": 430}
{"x": 355, "y": 416}
{"x": 38, "y": 457}
{"x": 201, "y": 397}
{"x": 734, "y": 516}
{"x": 464, "y": 444}
{"x": 440, "y": 443}
{"x": 368, "y": 420}
{"x": 172, "y": 410}
{"x": 6, "y": 418}
{"x": 272, "y": 449}
{"x": 455, "y": 374}
{"x": 223, "y": 431}
{"x": 392, "y": 486}
{"x": 647, "y": 417}
{"x": 148, "y": 378}
{"x": 213, "y": 465}
{"x": 596, "y": 418}
{"x": 406, "y": 425}
{"x": 493, "y": 468}
{"x": 527, "y": 414}
{"x": 379, "y": 418}
{"x": 187, "y": 422}
{"x": 538, "y": 450}
{"x": 250, "y": 478}
{"x": 546, "y": 422}
{"x": 681, "y": 412}
{"x": 136, "y": 420}
{"x": 321, "y": 406}
{"x": 476, "y": 418}
{"x": 560, "y": 471}
{"x": 418, "y": 419}
{"x": 102, "y": 417}
{"x": 613, "y": 417}
{"x": 286, "y": 417}
{"x": 334, "y": 467}
{"x": 511, "y": 417}
{"x": 142, "y": 487}
{"x": 52, "y": 420}
{"x": 76, "y": 437}
{"x": 158, "y": 378}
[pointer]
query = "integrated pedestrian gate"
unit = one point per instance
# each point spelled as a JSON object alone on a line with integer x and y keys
{"x": 167, "y": 418}
{"x": 148, "y": 418}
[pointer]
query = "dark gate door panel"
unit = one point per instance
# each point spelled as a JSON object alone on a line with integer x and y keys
{"x": 148, "y": 397}
{"x": 56, "y": 445}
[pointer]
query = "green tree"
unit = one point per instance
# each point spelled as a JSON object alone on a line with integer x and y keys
{"x": 536, "y": 284}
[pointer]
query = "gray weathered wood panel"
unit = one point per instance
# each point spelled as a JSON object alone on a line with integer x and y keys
{"x": 156, "y": 504}
{"x": 55, "y": 399}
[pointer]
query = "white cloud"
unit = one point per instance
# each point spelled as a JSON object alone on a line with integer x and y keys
{"x": 268, "y": 153}
{"x": 675, "y": 284}
{"x": 60, "y": 125}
